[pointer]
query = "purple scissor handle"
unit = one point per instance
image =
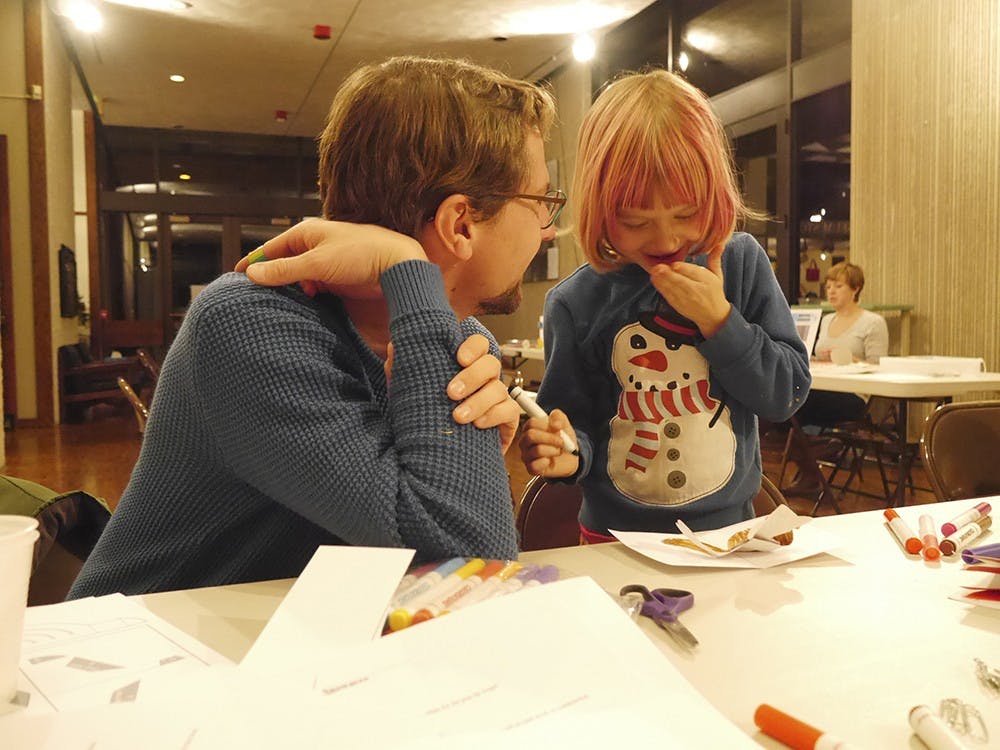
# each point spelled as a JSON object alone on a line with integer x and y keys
{"x": 663, "y": 606}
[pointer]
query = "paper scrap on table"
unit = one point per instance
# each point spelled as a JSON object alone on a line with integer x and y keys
{"x": 458, "y": 681}
{"x": 747, "y": 544}
{"x": 101, "y": 650}
{"x": 338, "y": 600}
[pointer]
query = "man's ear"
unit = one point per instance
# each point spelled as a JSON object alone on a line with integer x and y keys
{"x": 454, "y": 226}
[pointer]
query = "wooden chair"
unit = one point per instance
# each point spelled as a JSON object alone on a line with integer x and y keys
{"x": 547, "y": 514}
{"x": 140, "y": 409}
{"x": 127, "y": 336}
{"x": 961, "y": 449}
{"x": 83, "y": 381}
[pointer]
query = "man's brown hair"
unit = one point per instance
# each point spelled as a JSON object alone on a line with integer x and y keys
{"x": 403, "y": 135}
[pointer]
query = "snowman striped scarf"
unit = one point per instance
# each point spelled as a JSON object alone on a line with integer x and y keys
{"x": 647, "y": 409}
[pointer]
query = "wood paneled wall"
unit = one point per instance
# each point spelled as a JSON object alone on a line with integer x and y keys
{"x": 925, "y": 162}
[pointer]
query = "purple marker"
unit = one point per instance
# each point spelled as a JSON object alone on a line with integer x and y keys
{"x": 972, "y": 554}
{"x": 972, "y": 514}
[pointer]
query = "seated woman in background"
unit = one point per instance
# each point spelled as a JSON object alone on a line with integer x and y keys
{"x": 849, "y": 328}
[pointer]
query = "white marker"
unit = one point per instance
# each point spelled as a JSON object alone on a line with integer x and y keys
{"x": 932, "y": 730}
{"x": 532, "y": 409}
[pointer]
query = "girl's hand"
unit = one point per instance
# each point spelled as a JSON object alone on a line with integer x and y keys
{"x": 696, "y": 293}
{"x": 483, "y": 397}
{"x": 542, "y": 447}
{"x": 330, "y": 256}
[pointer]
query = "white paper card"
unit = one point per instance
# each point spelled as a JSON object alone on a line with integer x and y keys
{"x": 339, "y": 600}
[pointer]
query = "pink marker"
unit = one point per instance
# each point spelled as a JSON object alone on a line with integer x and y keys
{"x": 961, "y": 537}
{"x": 972, "y": 514}
{"x": 929, "y": 539}
{"x": 903, "y": 532}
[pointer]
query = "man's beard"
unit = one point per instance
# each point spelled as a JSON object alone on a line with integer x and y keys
{"x": 503, "y": 304}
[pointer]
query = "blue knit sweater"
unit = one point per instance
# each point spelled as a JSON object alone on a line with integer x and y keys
{"x": 271, "y": 432}
{"x": 666, "y": 421}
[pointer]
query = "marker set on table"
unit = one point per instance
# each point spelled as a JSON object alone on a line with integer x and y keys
{"x": 438, "y": 588}
{"x": 956, "y": 534}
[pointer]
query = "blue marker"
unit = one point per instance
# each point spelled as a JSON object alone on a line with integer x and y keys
{"x": 972, "y": 554}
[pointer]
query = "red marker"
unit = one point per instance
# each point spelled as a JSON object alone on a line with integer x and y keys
{"x": 929, "y": 538}
{"x": 903, "y": 532}
{"x": 796, "y": 734}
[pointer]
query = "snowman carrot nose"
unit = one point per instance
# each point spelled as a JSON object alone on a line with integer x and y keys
{"x": 651, "y": 361}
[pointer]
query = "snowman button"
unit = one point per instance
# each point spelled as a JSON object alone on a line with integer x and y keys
{"x": 676, "y": 479}
{"x": 673, "y": 454}
{"x": 671, "y": 429}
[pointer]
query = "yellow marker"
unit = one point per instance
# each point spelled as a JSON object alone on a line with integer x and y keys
{"x": 256, "y": 256}
{"x": 403, "y": 617}
{"x": 492, "y": 586}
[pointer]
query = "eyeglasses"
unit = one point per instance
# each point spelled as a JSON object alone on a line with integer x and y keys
{"x": 553, "y": 202}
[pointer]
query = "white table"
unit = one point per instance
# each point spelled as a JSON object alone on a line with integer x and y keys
{"x": 904, "y": 388}
{"x": 519, "y": 354}
{"x": 848, "y": 643}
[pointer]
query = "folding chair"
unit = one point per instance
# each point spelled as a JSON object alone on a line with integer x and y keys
{"x": 961, "y": 448}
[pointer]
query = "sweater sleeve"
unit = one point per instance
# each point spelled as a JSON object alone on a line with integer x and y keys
{"x": 876, "y": 338}
{"x": 757, "y": 356}
{"x": 293, "y": 414}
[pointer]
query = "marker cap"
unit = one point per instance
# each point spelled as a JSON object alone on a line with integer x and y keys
{"x": 785, "y": 728}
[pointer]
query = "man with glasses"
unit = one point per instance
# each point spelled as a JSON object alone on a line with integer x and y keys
{"x": 336, "y": 413}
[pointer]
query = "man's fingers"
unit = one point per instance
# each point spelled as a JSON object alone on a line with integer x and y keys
{"x": 472, "y": 349}
{"x": 481, "y": 373}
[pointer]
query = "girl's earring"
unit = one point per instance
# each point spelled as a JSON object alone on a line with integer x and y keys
{"x": 608, "y": 251}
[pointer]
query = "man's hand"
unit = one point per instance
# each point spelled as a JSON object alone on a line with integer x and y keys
{"x": 483, "y": 398}
{"x": 696, "y": 293}
{"x": 330, "y": 256}
{"x": 542, "y": 447}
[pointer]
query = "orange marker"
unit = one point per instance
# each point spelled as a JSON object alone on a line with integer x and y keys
{"x": 796, "y": 734}
{"x": 903, "y": 532}
{"x": 929, "y": 538}
{"x": 433, "y": 609}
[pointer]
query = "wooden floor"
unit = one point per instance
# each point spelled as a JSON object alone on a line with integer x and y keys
{"x": 98, "y": 457}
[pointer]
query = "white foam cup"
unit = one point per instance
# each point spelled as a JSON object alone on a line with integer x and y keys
{"x": 18, "y": 535}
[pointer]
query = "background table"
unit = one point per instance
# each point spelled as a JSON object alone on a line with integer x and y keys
{"x": 849, "y": 642}
{"x": 904, "y": 388}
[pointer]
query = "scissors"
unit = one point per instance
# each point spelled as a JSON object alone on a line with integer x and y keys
{"x": 663, "y": 606}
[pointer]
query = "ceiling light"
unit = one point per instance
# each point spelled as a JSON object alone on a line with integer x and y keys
{"x": 184, "y": 176}
{"x": 162, "y": 5}
{"x": 822, "y": 212}
{"x": 815, "y": 218}
{"x": 177, "y": 78}
{"x": 702, "y": 40}
{"x": 683, "y": 61}
{"x": 85, "y": 16}
{"x": 584, "y": 48}
{"x": 822, "y": 256}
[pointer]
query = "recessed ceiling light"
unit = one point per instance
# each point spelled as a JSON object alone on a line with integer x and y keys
{"x": 85, "y": 16}
{"x": 184, "y": 176}
{"x": 177, "y": 78}
{"x": 584, "y": 48}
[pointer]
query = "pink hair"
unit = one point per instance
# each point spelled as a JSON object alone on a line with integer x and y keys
{"x": 647, "y": 134}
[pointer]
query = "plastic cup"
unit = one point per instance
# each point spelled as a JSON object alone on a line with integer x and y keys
{"x": 18, "y": 535}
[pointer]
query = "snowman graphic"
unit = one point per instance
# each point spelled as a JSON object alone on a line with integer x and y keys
{"x": 671, "y": 442}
